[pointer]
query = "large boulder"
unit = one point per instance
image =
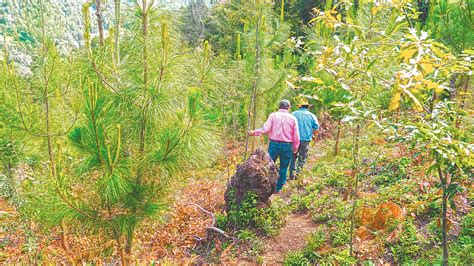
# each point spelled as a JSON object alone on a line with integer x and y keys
{"x": 257, "y": 175}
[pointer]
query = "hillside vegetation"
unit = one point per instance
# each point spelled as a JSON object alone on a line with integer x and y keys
{"x": 121, "y": 125}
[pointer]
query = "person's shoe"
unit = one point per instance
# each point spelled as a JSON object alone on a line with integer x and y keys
{"x": 276, "y": 192}
{"x": 292, "y": 177}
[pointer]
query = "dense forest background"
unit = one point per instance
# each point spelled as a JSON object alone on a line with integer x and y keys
{"x": 122, "y": 121}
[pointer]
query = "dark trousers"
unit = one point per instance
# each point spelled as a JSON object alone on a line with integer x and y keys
{"x": 301, "y": 156}
{"x": 282, "y": 150}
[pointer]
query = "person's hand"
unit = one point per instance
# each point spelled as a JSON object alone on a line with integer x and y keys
{"x": 250, "y": 132}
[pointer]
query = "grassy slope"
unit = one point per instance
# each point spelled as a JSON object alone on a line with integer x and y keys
{"x": 389, "y": 174}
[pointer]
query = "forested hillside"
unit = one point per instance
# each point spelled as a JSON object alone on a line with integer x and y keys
{"x": 127, "y": 131}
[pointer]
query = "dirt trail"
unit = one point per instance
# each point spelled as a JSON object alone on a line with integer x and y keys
{"x": 292, "y": 237}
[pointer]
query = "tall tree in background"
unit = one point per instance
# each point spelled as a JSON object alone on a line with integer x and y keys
{"x": 195, "y": 18}
{"x": 117, "y": 31}
{"x": 257, "y": 36}
{"x": 451, "y": 23}
{"x": 250, "y": 33}
{"x": 423, "y": 8}
{"x": 100, "y": 20}
{"x": 252, "y": 109}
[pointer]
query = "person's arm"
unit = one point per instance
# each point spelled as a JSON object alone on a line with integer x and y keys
{"x": 265, "y": 129}
{"x": 315, "y": 135}
{"x": 295, "y": 137}
{"x": 315, "y": 126}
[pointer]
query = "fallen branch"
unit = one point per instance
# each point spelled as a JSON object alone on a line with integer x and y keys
{"x": 93, "y": 252}
{"x": 218, "y": 230}
{"x": 212, "y": 227}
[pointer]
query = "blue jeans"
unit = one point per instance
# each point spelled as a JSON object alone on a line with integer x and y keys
{"x": 301, "y": 156}
{"x": 284, "y": 151}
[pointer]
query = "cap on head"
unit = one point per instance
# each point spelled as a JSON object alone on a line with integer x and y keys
{"x": 284, "y": 104}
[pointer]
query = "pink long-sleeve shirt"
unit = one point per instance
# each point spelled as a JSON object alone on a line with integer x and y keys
{"x": 281, "y": 126}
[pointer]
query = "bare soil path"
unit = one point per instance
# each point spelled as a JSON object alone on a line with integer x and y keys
{"x": 297, "y": 227}
{"x": 292, "y": 237}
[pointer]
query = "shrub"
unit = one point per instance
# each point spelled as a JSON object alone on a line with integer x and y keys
{"x": 393, "y": 172}
{"x": 296, "y": 258}
{"x": 340, "y": 235}
{"x": 463, "y": 248}
{"x": 409, "y": 246}
{"x": 266, "y": 221}
{"x": 314, "y": 242}
{"x": 254, "y": 243}
{"x": 302, "y": 203}
{"x": 329, "y": 207}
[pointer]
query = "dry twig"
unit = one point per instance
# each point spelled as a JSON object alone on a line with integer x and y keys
{"x": 211, "y": 228}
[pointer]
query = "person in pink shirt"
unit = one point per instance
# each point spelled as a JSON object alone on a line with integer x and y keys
{"x": 282, "y": 130}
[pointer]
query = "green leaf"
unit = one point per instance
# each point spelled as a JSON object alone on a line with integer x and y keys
{"x": 371, "y": 64}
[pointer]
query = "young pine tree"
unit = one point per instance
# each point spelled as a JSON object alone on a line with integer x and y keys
{"x": 141, "y": 126}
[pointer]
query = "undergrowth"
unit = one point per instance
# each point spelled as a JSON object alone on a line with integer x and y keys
{"x": 389, "y": 174}
{"x": 251, "y": 224}
{"x": 246, "y": 216}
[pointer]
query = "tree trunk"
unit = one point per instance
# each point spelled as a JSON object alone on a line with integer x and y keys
{"x": 47, "y": 118}
{"x": 117, "y": 31}
{"x": 52, "y": 161}
{"x": 444, "y": 226}
{"x": 235, "y": 124}
{"x": 282, "y": 11}
{"x": 462, "y": 99}
{"x": 423, "y": 8}
{"x": 252, "y": 112}
{"x": 121, "y": 252}
{"x": 256, "y": 77}
{"x": 98, "y": 13}
{"x": 249, "y": 116}
{"x": 226, "y": 153}
{"x": 355, "y": 8}
{"x": 116, "y": 236}
{"x": 338, "y": 134}
{"x": 434, "y": 96}
{"x": 93, "y": 95}
{"x": 64, "y": 242}
{"x": 129, "y": 244}
{"x": 355, "y": 178}
{"x": 9, "y": 174}
{"x": 143, "y": 122}
{"x": 145, "y": 76}
{"x": 452, "y": 84}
